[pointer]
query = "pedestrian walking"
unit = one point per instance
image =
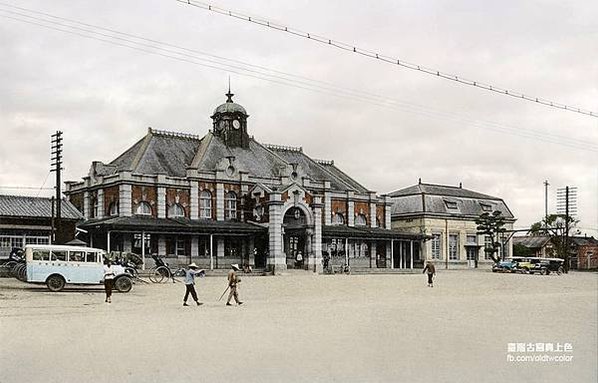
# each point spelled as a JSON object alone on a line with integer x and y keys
{"x": 431, "y": 271}
{"x": 190, "y": 274}
{"x": 299, "y": 260}
{"x": 233, "y": 281}
{"x": 108, "y": 280}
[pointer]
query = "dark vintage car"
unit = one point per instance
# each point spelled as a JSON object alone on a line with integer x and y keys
{"x": 549, "y": 265}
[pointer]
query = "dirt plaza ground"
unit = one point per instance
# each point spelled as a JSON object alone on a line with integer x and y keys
{"x": 305, "y": 328}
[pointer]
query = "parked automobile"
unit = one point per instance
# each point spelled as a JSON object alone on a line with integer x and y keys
{"x": 57, "y": 265}
{"x": 508, "y": 266}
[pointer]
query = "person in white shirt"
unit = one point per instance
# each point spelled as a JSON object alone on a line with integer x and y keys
{"x": 108, "y": 280}
{"x": 190, "y": 274}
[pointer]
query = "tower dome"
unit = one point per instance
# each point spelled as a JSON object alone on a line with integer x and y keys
{"x": 229, "y": 106}
{"x": 230, "y": 123}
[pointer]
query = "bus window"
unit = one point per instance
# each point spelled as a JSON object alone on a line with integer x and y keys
{"x": 58, "y": 255}
{"x": 41, "y": 255}
{"x": 77, "y": 256}
{"x": 92, "y": 257}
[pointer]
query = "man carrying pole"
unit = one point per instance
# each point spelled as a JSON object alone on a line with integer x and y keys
{"x": 190, "y": 274}
{"x": 233, "y": 280}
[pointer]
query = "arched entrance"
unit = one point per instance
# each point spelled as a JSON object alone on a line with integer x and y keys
{"x": 295, "y": 238}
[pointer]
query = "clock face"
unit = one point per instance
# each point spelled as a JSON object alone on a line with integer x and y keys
{"x": 236, "y": 124}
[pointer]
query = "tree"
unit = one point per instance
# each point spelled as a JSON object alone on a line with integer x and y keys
{"x": 491, "y": 225}
{"x": 557, "y": 227}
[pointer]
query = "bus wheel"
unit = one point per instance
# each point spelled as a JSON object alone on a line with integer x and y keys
{"x": 55, "y": 283}
{"x": 123, "y": 284}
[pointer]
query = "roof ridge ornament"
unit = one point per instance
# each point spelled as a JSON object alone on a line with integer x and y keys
{"x": 229, "y": 95}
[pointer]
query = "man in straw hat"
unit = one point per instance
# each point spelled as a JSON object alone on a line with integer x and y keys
{"x": 233, "y": 280}
{"x": 190, "y": 274}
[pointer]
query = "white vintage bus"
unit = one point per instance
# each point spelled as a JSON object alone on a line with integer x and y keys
{"x": 57, "y": 265}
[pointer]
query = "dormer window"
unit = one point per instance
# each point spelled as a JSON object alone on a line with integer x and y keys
{"x": 486, "y": 207}
{"x": 143, "y": 208}
{"x": 451, "y": 205}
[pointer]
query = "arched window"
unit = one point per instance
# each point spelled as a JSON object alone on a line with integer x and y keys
{"x": 113, "y": 209}
{"x": 230, "y": 205}
{"x": 205, "y": 204}
{"x": 176, "y": 210}
{"x": 360, "y": 220}
{"x": 144, "y": 208}
{"x": 338, "y": 219}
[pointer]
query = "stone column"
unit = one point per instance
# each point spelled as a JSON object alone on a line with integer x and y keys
{"x": 276, "y": 260}
{"x": 194, "y": 246}
{"x": 86, "y": 203}
{"x": 387, "y": 208}
{"x": 327, "y": 209}
{"x": 125, "y": 208}
{"x": 161, "y": 196}
{"x": 219, "y": 202}
{"x": 317, "y": 235}
{"x": 389, "y": 254}
{"x": 220, "y": 247}
{"x": 373, "y": 213}
{"x": 162, "y": 246}
{"x": 350, "y": 210}
{"x": 100, "y": 203}
{"x": 194, "y": 200}
{"x": 374, "y": 254}
{"x": 127, "y": 245}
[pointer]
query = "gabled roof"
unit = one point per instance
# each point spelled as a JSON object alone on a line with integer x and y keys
{"x": 441, "y": 190}
{"x": 34, "y": 207}
{"x": 532, "y": 241}
{"x": 444, "y": 201}
{"x": 169, "y": 153}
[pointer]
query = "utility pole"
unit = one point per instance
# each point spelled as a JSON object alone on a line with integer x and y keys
{"x": 56, "y": 166}
{"x": 546, "y": 184}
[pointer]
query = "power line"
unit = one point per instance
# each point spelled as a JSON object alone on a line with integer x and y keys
{"x": 384, "y": 58}
{"x": 26, "y": 187}
{"x": 283, "y": 78}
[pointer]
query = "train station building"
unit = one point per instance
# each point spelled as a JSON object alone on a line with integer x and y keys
{"x": 226, "y": 198}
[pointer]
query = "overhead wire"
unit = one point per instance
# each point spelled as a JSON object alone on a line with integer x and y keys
{"x": 385, "y": 58}
{"x": 154, "y": 47}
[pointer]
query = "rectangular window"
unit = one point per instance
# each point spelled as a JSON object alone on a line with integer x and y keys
{"x": 436, "y": 246}
{"x": 453, "y": 246}
{"x": 451, "y": 205}
{"x": 180, "y": 247}
{"x": 486, "y": 207}
{"x": 472, "y": 239}
{"x": 41, "y": 255}
{"x": 58, "y": 255}
{"x": 91, "y": 257}
{"x": 76, "y": 256}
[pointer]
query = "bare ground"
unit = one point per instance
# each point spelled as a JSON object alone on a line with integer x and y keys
{"x": 304, "y": 328}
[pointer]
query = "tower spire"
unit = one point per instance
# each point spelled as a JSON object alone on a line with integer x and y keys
{"x": 229, "y": 95}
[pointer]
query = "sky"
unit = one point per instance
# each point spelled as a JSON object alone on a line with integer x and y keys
{"x": 384, "y": 125}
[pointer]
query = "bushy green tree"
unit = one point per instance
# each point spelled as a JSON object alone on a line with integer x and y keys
{"x": 555, "y": 226}
{"x": 491, "y": 225}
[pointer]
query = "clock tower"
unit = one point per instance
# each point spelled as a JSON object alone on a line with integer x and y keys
{"x": 230, "y": 123}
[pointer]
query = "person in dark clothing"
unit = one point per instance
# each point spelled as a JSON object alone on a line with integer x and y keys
{"x": 233, "y": 281}
{"x": 431, "y": 271}
{"x": 190, "y": 274}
